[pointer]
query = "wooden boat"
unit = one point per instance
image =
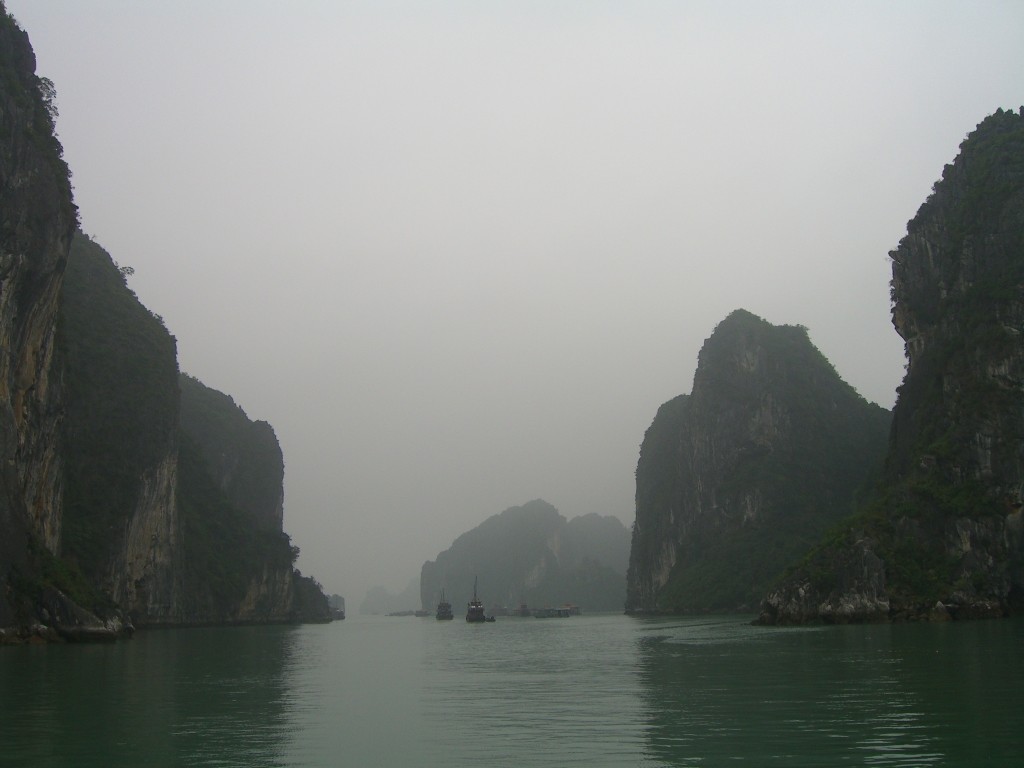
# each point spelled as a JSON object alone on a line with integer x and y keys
{"x": 444, "y": 609}
{"x": 475, "y": 609}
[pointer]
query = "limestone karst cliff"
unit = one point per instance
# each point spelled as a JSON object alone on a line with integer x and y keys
{"x": 110, "y": 512}
{"x": 174, "y": 504}
{"x": 532, "y": 554}
{"x": 742, "y": 475}
{"x": 242, "y": 456}
{"x": 239, "y": 560}
{"x": 943, "y": 535}
{"x": 37, "y": 220}
{"x": 120, "y": 442}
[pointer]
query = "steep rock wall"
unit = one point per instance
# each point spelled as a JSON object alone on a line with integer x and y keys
{"x": 149, "y": 517}
{"x": 943, "y": 532}
{"x": 240, "y": 559}
{"x": 121, "y": 523}
{"x": 92, "y": 527}
{"x": 744, "y": 473}
{"x": 37, "y": 219}
{"x": 243, "y": 456}
{"x": 270, "y": 597}
{"x": 146, "y": 574}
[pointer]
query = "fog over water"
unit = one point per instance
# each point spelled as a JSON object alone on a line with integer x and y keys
{"x": 458, "y": 253}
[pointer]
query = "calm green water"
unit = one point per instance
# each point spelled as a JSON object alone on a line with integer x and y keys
{"x": 589, "y": 690}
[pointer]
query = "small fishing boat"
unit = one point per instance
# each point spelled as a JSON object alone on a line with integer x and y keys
{"x": 444, "y": 609}
{"x": 475, "y": 609}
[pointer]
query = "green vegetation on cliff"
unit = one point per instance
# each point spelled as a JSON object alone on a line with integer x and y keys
{"x": 224, "y": 551}
{"x": 956, "y": 288}
{"x": 152, "y": 450}
{"x": 28, "y": 110}
{"x": 228, "y": 539}
{"x": 121, "y": 383}
{"x": 243, "y": 456}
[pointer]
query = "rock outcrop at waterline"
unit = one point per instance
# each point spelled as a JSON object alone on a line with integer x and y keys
{"x": 110, "y": 511}
{"x": 943, "y": 536}
{"x": 740, "y": 477}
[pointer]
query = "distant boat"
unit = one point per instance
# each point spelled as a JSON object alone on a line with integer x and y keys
{"x": 444, "y": 609}
{"x": 475, "y": 609}
{"x": 548, "y": 613}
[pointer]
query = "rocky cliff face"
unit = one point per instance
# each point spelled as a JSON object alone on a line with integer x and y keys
{"x": 531, "y": 554}
{"x": 243, "y": 456}
{"x": 121, "y": 524}
{"x": 741, "y": 476}
{"x": 943, "y": 535}
{"x": 146, "y": 574}
{"x": 232, "y": 506}
{"x": 37, "y": 219}
{"x": 153, "y": 518}
{"x": 98, "y": 522}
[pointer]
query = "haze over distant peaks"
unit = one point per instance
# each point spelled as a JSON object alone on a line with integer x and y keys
{"x": 531, "y": 554}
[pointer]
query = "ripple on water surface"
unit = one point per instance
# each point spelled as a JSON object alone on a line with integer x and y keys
{"x": 588, "y": 690}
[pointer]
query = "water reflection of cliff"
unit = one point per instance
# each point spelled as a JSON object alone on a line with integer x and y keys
{"x": 716, "y": 691}
{"x": 230, "y": 695}
{"x": 175, "y": 697}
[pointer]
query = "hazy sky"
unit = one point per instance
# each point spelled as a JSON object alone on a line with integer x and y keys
{"x": 458, "y": 253}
